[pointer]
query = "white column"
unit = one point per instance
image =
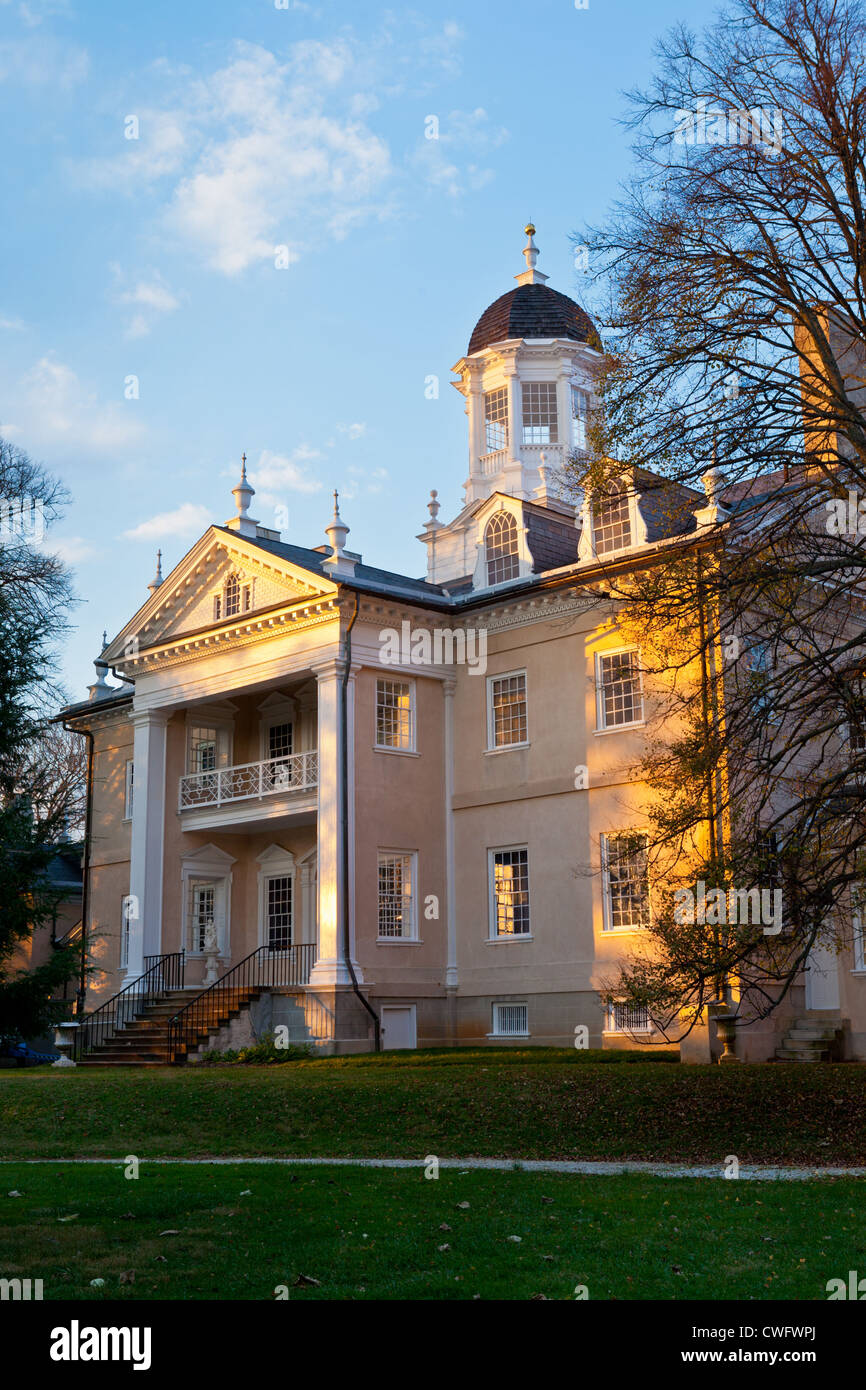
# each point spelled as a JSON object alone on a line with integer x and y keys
{"x": 449, "y": 687}
{"x": 148, "y": 834}
{"x": 331, "y": 967}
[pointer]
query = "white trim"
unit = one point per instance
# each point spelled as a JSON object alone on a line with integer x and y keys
{"x": 496, "y": 1031}
{"x": 586, "y": 545}
{"x": 129, "y": 783}
{"x": 275, "y": 862}
{"x": 502, "y": 676}
{"x": 277, "y": 709}
{"x": 601, "y": 727}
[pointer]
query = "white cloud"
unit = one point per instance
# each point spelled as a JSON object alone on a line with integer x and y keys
{"x": 54, "y": 408}
{"x": 275, "y": 151}
{"x": 189, "y": 519}
{"x": 277, "y": 474}
{"x": 42, "y": 61}
{"x": 72, "y": 550}
{"x": 11, "y": 325}
{"x": 353, "y": 431}
{"x": 452, "y": 164}
{"x": 149, "y": 297}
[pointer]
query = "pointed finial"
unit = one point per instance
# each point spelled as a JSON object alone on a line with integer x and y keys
{"x": 157, "y": 579}
{"x": 336, "y": 505}
{"x": 433, "y": 505}
{"x": 530, "y": 276}
{"x": 243, "y": 468}
{"x": 104, "y": 639}
{"x": 338, "y": 562}
{"x": 243, "y": 493}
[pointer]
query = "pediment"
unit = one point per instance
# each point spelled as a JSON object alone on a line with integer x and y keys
{"x": 195, "y": 597}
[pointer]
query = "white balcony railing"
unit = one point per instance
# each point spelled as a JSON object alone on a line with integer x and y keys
{"x": 295, "y": 773}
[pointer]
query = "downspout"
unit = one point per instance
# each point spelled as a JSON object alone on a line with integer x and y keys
{"x": 344, "y": 817}
{"x": 85, "y": 870}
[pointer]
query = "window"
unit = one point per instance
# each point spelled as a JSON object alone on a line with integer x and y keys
{"x": 579, "y": 418}
{"x": 128, "y": 792}
{"x": 618, "y": 683}
{"x": 396, "y": 896}
{"x": 395, "y": 715}
{"x": 506, "y": 710}
{"x": 501, "y": 550}
{"x": 539, "y": 412}
{"x": 510, "y": 896}
{"x": 247, "y": 597}
{"x": 202, "y": 749}
{"x": 611, "y": 520}
{"x": 496, "y": 419}
{"x": 279, "y": 913}
{"x": 217, "y": 607}
{"x": 232, "y": 596}
{"x": 625, "y": 881}
{"x": 202, "y": 913}
{"x": 280, "y": 741}
{"x": 510, "y": 1021}
{"x": 627, "y": 1018}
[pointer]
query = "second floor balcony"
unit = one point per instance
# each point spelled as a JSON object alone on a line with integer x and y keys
{"x": 271, "y": 788}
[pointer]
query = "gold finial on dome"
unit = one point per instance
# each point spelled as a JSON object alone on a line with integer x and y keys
{"x": 530, "y": 276}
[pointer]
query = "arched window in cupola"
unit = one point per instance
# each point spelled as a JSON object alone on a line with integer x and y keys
{"x": 501, "y": 549}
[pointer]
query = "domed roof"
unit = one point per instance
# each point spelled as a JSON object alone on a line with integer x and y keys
{"x": 532, "y": 311}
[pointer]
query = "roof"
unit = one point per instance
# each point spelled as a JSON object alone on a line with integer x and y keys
{"x": 532, "y": 311}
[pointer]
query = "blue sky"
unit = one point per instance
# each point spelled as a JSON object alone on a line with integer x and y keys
{"x": 154, "y": 257}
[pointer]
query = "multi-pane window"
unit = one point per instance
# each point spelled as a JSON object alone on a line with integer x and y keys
{"x": 625, "y": 881}
{"x": 128, "y": 790}
{"x": 579, "y": 417}
{"x": 202, "y": 913}
{"x": 396, "y": 895}
{"x": 611, "y": 520}
{"x": 280, "y": 741}
{"x": 247, "y": 597}
{"x": 232, "y": 596}
{"x": 395, "y": 715}
{"x": 202, "y": 749}
{"x": 510, "y": 873}
{"x": 496, "y": 419}
{"x": 501, "y": 548}
{"x": 627, "y": 1018}
{"x": 279, "y": 912}
{"x": 506, "y": 715}
{"x": 620, "y": 698}
{"x": 511, "y": 1020}
{"x": 539, "y": 412}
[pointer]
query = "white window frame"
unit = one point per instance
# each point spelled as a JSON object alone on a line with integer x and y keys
{"x": 496, "y": 1030}
{"x": 552, "y": 426}
{"x": 128, "y": 789}
{"x": 412, "y": 746}
{"x": 276, "y": 862}
{"x": 607, "y": 904}
{"x": 492, "y": 934}
{"x": 498, "y": 424}
{"x": 246, "y": 597}
{"x": 412, "y": 933}
{"x": 206, "y": 718}
{"x": 601, "y": 727}
{"x": 277, "y": 709}
{"x": 575, "y": 390}
{"x": 503, "y": 517}
{"x": 208, "y": 865}
{"x": 492, "y": 746}
{"x": 610, "y": 1023}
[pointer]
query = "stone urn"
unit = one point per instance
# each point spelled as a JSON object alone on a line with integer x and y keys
{"x": 64, "y": 1041}
{"x": 726, "y": 1031}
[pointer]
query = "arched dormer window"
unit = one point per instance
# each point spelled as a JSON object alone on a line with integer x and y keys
{"x": 235, "y": 597}
{"x": 500, "y": 547}
{"x": 611, "y": 519}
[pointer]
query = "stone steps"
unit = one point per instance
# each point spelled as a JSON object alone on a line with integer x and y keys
{"x": 144, "y": 1041}
{"x": 817, "y": 1039}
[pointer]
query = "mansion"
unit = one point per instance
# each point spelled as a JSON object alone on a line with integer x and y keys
{"x": 380, "y": 810}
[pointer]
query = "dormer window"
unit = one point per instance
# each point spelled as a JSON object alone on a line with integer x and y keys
{"x": 501, "y": 548}
{"x": 234, "y": 598}
{"x": 611, "y": 520}
{"x": 539, "y": 412}
{"x": 496, "y": 419}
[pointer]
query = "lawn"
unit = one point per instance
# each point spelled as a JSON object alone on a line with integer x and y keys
{"x": 492, "y": 1105}
{"x": 240, "y": 1233}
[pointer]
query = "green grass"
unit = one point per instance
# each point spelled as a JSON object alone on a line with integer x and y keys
{"x": 407, "y": 1105}
{"x": 367, "y": 1234}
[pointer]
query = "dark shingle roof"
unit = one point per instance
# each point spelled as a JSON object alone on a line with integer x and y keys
{"x": 532, "y": 311}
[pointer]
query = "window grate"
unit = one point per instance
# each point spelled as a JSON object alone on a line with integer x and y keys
{"x": 627, "y": 1018}
{"x": 511, "y": 1020}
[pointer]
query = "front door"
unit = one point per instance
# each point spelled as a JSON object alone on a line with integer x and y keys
{"x": 822, "y": 978}
{"x": 397, "y": 1026}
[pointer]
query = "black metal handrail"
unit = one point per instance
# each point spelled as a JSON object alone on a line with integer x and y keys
{"x": 165, "y": 972}
{"x": 261, "y": 969}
